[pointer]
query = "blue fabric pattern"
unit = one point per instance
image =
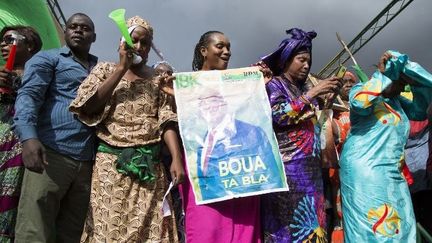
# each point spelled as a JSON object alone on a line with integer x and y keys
{"x": 50, "y": 83}
{"x": 375, "y": 198}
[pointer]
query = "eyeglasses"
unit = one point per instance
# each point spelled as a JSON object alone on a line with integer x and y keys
{"x": 9, "y": 39}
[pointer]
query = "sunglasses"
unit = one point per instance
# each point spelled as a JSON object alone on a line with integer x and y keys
{"x": 9, "y": 39}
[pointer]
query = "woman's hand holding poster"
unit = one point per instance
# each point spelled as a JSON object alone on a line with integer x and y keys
{"x": 226, "y": 128}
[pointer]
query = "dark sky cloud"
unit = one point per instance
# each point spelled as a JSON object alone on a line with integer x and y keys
{"x": 256, "y": 27}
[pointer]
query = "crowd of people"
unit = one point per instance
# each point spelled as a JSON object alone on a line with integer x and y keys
{"x": 89, "y": 148}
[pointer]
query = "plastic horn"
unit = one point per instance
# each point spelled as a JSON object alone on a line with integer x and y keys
{"x": 118, "y": 16}
{"x": 9, "y": 65}
{"x": 11, "y": 58}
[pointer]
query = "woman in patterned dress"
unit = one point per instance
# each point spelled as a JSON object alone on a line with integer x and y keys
{"x": 11, "y": 166}
{"x": 335, "y": 131}
{"x": 164, "y": 68}
{"x": 376, "y": 202}
{"x": 131, "y": 115}
{"x": 297, "y": 215}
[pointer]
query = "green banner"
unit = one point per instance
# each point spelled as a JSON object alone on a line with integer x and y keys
{"x": 33, "y": 13}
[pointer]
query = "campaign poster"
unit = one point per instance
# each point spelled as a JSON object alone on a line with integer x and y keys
{"x": 226, "y": 128}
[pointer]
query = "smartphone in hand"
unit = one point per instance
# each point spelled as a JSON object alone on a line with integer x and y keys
{"x": 340, "y": 72}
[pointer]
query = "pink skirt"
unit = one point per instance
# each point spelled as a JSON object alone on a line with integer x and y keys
{"x": 236, "y": 220}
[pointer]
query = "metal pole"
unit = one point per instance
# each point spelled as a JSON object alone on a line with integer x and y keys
{"x": 57, "y": 12}
{"x": 373, "y": 28}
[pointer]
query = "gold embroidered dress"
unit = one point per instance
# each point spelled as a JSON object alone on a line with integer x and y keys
{"x": 123, "y": 209}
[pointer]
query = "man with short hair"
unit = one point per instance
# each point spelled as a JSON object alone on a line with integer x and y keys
{"x": 58, "y": 149}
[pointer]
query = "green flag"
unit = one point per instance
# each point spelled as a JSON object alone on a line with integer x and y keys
{"x": 360, "y": 73}
{"x": 34, "y": 13}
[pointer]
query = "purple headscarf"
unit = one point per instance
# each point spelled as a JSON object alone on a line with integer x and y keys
{"x": 299, "y": 40}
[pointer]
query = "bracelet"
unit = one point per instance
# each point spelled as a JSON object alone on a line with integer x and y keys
{"x": 306, "y": 99}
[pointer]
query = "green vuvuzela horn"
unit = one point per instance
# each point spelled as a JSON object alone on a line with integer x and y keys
{"x": 118, "y": 16}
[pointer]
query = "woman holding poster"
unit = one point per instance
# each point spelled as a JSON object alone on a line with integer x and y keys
{"x": 299, "y": 214}
{"x": 235, "y": 220}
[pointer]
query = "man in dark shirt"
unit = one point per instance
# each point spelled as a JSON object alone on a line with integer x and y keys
{"x": 58, "y": 149}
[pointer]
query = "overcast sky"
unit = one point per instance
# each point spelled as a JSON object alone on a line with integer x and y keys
{"x": 256, "y": 27}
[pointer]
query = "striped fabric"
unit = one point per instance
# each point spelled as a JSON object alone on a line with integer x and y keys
{"x": 50, "y": 83}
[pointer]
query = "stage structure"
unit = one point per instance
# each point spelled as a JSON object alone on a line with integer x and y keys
{"x": 393, "y": 9}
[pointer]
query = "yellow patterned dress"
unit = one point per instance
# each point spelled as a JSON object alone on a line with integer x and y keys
{"x": 123, "y": 209}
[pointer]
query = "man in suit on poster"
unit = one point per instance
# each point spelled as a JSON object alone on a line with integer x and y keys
{"x": 234, "y": 154}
